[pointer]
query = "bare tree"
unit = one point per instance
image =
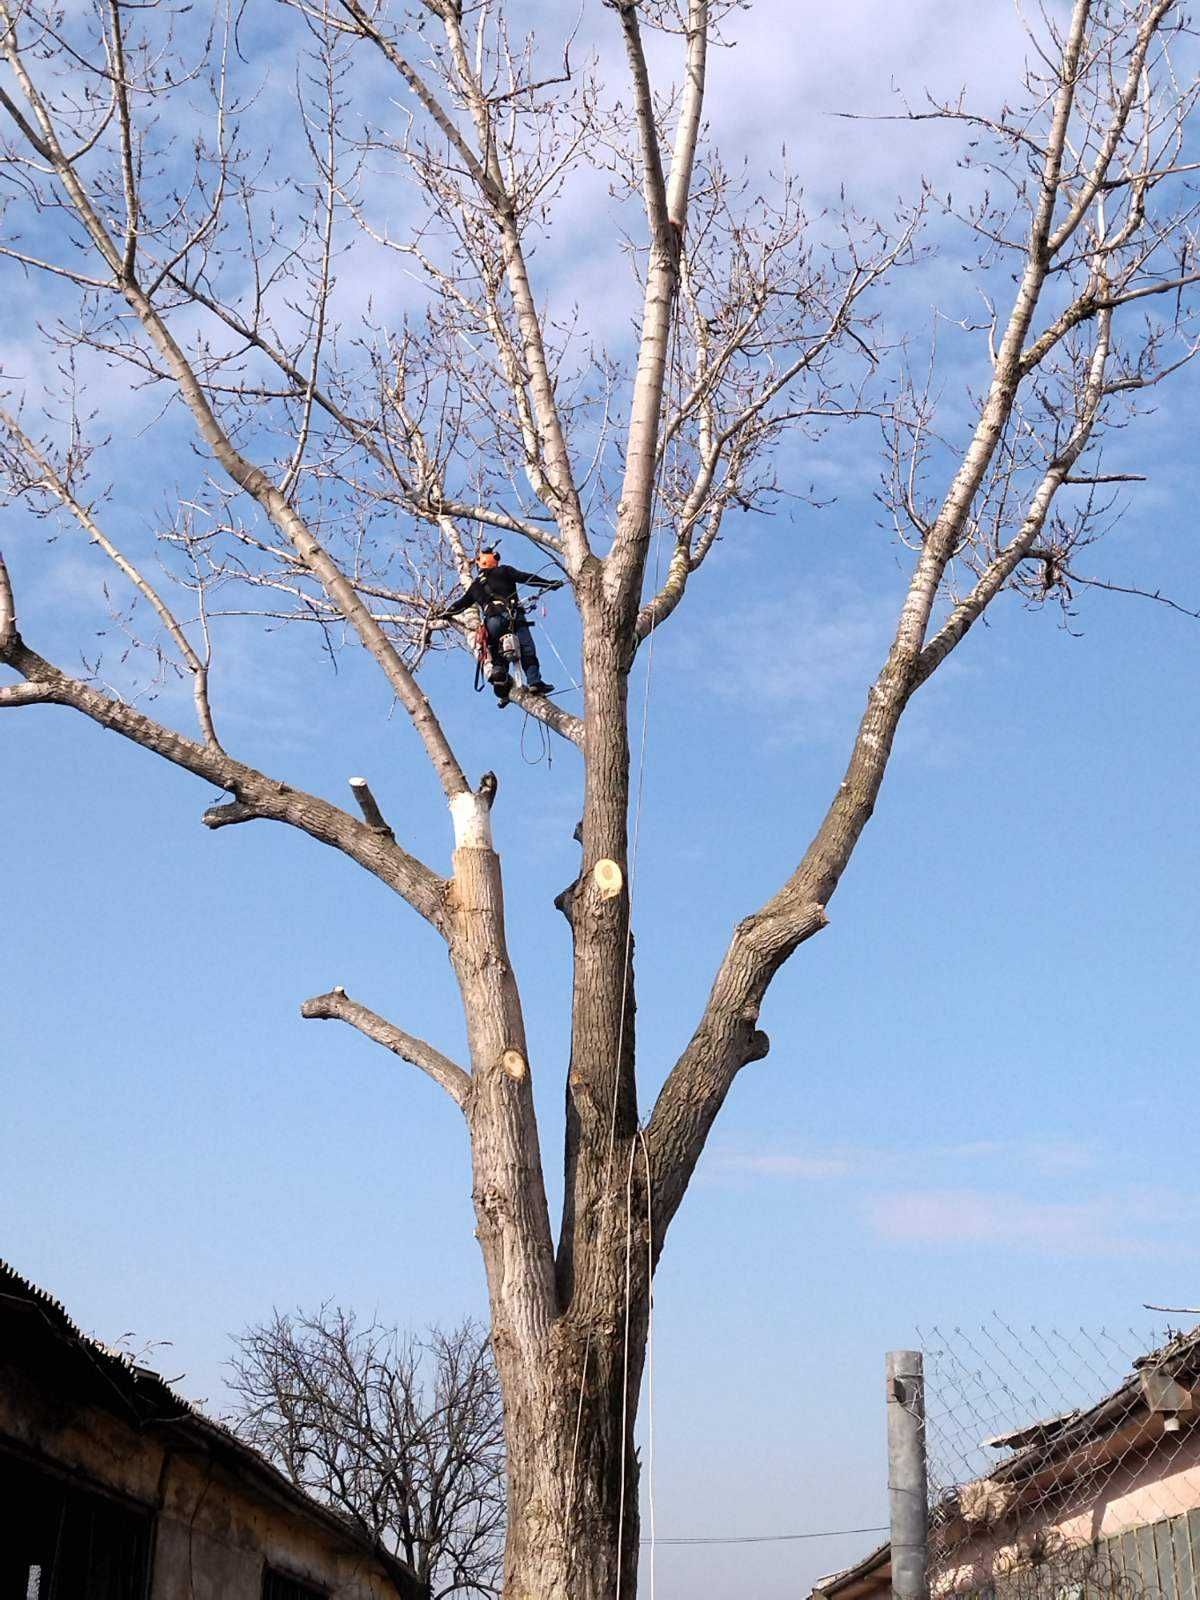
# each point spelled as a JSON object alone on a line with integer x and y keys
{"x": 405, "y": 1436}
{"x": 493, "y": 411}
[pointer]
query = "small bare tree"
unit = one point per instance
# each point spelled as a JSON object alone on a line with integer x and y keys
{"x": 404, "y": 1435}
{"x": 351, "y": 471}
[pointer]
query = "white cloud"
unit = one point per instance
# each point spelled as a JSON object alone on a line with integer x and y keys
{"x": 806, "y": 650}
{"x": 1013, "y": 1158}
{"x": 782, "y": 1166}
{"x": 1120, "y": 1223}
{"x": 1020, "y": 1194}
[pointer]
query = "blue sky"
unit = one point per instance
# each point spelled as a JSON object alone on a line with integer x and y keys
{"x": 981, "y": 1073}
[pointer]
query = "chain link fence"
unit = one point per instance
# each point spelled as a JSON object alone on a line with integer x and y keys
{"x": 1063, "y": 1466}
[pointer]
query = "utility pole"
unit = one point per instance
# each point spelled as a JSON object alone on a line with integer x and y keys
{"x": 908, "y": 1503}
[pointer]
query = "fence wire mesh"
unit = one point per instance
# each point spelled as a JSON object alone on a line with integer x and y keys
{"x": 1063, "y": 1466}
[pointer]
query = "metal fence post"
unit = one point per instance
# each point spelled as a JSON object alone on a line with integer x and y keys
{"x": 908, "y": 1505}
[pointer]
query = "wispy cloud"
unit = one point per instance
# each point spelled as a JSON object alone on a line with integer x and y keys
{"x": 786, "y": 1166}
{"x": 869, "y": 1163}
{"x": 1122, "y": 1223}
{"x": 1049, "y": 1196}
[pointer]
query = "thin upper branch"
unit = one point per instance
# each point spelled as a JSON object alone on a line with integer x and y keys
{"x": 246, "y": 474}
{"x": 562, "y": 496}
{"x": 653, "y": 182}
{"x": 363, "y": 433}
{"x": 625, "y": 562}
{"x": 1116, "y": 128}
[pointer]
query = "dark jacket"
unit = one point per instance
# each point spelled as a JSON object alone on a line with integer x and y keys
{"x": 495, "y": 587}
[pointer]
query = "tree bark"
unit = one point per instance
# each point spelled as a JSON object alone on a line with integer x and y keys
{"x": 570, "y": 1368}
{"x": 573, "y": 1472}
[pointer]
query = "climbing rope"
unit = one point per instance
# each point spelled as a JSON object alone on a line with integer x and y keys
{"x": 637, "y": 839}
{"x": 641, "y": 1139}
{"x": 545, "y": 753}
{"x": 550, "y": 641}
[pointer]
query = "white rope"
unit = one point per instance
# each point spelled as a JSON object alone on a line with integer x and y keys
{"x": 649, "y": 1355}
{"x": 550, "y": 641}
{"x": 639, "y": 794}
{"x": 612, "y": 1124}
{"x": 625, "y": 1364}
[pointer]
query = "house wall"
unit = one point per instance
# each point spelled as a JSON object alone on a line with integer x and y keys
{"x": 1146, "y": 1488}
{"x": 213, "y": 1532}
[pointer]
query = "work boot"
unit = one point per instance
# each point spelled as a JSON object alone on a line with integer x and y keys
{"x": 541, "y": 687}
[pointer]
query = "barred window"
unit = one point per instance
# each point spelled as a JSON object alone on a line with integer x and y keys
{"x": 57, "y": 1538}
{"x": 279, "y": 1586}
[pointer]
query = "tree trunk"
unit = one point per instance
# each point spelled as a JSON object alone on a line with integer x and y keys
{"x": 573, "y": 1525}
{"x": 570, "y": 1368}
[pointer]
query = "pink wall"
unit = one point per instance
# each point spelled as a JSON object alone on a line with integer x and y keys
{"x": 1146, "y": 1486}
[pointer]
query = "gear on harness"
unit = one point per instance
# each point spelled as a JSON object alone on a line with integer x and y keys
{"x": 503, "y": 635}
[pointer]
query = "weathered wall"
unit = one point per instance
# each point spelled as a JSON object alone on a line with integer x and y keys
{"x": 214, "y": 1531}
{"x": 1147, "y": 1487}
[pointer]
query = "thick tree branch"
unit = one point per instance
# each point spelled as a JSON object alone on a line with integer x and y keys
{"x": 697, "y": 1085}
{"x": 8, "y": 612}
{"x": 1005, "y": 563}
{"x": 255, "y": 794}
{"x": 653, "y": 181}
{"x": 52, "y": 482}
{"x": 553, "y": 715}
{"x": 727, "y": 1036}
{"x": 116, "y": 46}
{"x": 337, "y": 1006}
{"x": 369, "y": 806}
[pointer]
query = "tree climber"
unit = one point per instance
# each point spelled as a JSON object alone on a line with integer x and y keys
{"x": 494, "y": 591}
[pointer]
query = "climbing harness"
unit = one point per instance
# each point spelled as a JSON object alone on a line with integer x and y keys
{"x": 509, "y": 645}
{"x": 482, "y": 656}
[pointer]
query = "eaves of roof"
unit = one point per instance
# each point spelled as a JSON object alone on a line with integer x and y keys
{"x": 110, "y": 1380}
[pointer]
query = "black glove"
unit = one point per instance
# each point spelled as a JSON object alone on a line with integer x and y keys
{"x": 555, "y": 583}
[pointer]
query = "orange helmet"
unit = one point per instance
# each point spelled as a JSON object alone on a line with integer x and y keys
{"x": 489, "y": 558}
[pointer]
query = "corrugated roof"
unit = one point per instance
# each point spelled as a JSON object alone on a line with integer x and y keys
{"x": 1043, "y": 1443}
{"x": 111, "y": 1380}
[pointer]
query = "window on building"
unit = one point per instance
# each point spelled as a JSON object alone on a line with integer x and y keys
{"x": 279, "y": 1586}
{"x": 60, "y": 1539}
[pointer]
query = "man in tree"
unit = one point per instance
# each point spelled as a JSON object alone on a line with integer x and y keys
{"x": 494, "y": 591}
